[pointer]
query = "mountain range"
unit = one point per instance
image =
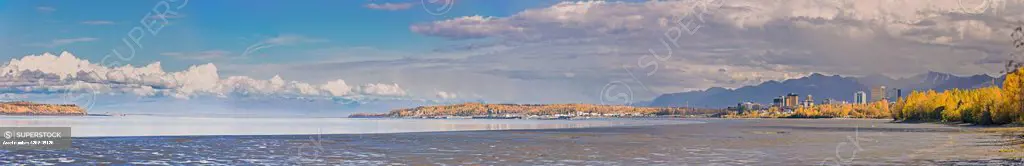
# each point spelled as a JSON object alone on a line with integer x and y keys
{"x": 821, "y": 87}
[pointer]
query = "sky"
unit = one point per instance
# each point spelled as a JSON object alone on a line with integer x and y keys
{"x": 374, "y": 55}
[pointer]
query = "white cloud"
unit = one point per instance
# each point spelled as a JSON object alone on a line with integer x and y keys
{"x": 446, "y": 95}
{"x": 389, "y": 6}
{"x": 382, "y": 89}
{"x": 62, "y": 42}
{"x": 68, "y": 73}
{"x": 337, "y": 88}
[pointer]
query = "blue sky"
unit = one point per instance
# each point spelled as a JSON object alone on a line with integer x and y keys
{"x": 231, "y": 26}
{"x": 408, "y": 52}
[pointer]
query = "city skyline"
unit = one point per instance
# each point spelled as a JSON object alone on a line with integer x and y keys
{"x": 860, "y": 97}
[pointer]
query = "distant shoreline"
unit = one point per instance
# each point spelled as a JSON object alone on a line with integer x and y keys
{"x": 538, "y": 111}
{"x": 5, "y": 114}
{"x": 25, "y": 108}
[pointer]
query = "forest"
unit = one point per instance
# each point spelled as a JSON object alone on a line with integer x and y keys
{"x": 985, "y": 106}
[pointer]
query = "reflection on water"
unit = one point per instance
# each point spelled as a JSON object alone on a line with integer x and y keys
{"x": 92, "y": 126}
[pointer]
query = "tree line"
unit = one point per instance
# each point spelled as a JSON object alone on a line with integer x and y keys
{"x": 992, "y": 105}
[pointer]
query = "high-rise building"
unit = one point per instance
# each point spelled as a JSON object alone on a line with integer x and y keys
{"x": 860, "y": 98}
{"x": 792, "y": 100}
{"x": 809, "y": 102}
{"x": 878, "y": 94}
{"x": 899, "y": 94}
{"x": 778, "y": 102}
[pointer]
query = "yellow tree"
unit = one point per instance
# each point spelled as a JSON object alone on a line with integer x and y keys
{"x": 1012, "y": 89}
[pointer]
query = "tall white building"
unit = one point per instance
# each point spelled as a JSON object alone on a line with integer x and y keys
{"x": 860, "y": 97}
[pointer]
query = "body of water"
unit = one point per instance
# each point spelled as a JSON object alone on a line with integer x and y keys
{"x": 115, "y": 126}
{"x": 169, "y": 140}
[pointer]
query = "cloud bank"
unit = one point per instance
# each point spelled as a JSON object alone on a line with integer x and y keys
{"x": 64, "y": 73}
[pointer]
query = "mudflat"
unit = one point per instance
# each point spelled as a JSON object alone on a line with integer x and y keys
{"x": 716, "y": 142}
{"x": 725, "y": 141}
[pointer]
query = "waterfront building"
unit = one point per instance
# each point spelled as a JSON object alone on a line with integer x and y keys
{"x": 860, "y": 98}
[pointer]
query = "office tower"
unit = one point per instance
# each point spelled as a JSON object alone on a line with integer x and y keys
{"x": 878, "y": 94}
{"x": 792, "y": 100}
{"x": 860, "y": 98}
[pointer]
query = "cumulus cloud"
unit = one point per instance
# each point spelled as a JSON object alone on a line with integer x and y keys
{"x": 48, "y": 73}
{"x": 670, "y": 46}
{"x": 382, "y": 89}
{"x": 446, "y": 95}
{"x": 337, "y": 88}
{"x": 389, "y": 6}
